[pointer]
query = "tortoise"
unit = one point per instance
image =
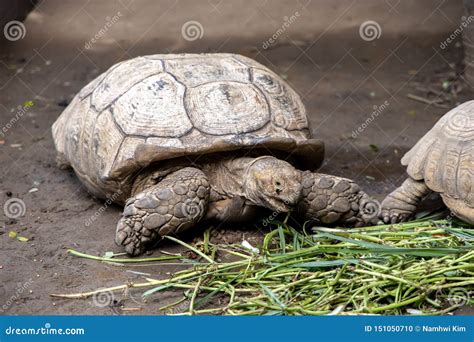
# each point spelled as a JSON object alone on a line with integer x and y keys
{"x": 442, "y": 161}
{"x": 178, "y": 139}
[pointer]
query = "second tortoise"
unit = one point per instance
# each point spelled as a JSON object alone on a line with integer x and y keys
{"x": 442, "y": 161}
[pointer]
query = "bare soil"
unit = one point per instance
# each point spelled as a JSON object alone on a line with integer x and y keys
{"x": 340, "y": 76}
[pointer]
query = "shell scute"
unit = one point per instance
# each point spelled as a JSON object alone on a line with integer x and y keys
{"x": 444, "y": 157}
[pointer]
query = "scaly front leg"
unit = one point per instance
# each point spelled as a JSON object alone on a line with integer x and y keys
{"x": 173, "y": 205}
{"x": 330, "y": 200}
{"x": 401, "y": 204}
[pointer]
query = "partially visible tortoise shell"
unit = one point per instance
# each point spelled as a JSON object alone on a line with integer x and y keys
{"x": 160, "y": 107}
{"x": 444, "y": 157}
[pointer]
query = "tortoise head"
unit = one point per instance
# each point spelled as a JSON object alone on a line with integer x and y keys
{"x": 272, "y": 183}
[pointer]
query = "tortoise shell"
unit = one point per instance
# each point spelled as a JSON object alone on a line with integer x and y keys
{"x": 444, "y": 157}
{"x": 155, "y": 108}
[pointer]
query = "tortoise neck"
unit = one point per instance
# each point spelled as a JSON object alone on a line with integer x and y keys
{"x": 227, "y": 176}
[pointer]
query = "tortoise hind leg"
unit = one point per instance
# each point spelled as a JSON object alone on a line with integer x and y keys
{"x": 62, "y": 162}
{"x": 401, "y": 204}
{"x": 173, "y": 205}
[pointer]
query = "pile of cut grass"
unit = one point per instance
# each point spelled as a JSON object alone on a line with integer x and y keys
{"x": 422, "y": 267}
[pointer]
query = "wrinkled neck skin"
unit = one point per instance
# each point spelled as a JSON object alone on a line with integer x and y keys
{"x": 228, "y": 177}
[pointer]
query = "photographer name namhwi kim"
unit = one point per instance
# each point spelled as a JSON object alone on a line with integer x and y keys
{"x": 441, "y": 328}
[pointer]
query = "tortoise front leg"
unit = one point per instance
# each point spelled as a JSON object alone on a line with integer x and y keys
{"x": 173, "y": 205}
{"x": 331, "y": 199}
{"x": 401, "y": 204}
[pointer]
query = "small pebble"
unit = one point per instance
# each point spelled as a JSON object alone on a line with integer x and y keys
{"x": 33, "y": 190}
{"x": 63, "y": 103}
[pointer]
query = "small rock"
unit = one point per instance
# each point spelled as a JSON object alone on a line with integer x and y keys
{"x": 33, "y": 190}
{"x": 374, "y": 148}
{"x": 63, "y": 103}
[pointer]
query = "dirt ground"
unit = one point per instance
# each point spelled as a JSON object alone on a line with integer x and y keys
{"x": 342, "y": 79}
